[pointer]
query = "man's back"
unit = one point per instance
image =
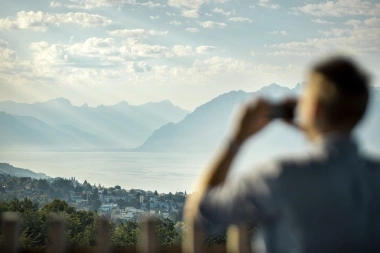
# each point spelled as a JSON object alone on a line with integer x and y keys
{"x": 324, "y": 202}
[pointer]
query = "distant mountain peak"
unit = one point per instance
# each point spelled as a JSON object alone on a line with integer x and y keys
{"x": 123, "y": 103}
{"x": 300, "y": 85}
{"x": 163, "y": 102}
{"x": 59, "y": 101}
{"x": 166, "y": 101}
{"x": 272, "y": 86}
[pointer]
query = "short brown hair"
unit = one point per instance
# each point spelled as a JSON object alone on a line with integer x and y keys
{"x": 343, "y": 93}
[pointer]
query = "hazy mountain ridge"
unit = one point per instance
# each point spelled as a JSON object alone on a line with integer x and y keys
{"x": 59, "y": 125}
{"x": 206, "y": 127}
{"x": 72, "y": 127}
{"x": 6, "y": 168}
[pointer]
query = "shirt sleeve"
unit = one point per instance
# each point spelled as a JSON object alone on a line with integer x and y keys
{"x": 239, "y": 200}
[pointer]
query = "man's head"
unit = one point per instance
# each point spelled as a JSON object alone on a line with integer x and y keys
{"x": 335, "y": 98}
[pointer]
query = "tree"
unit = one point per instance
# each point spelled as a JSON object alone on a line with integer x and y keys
{"x": 95, "y": 205}
{"x": 125, "y": 234}
{"x": 86, "y": 186}
{"x": 121, "y": 203}
{"x": 117, "y": 187}
{"x": 166, "y": 233}
{"x": 42, "y": 184}
{"x": 155, "y": 193}
{"x": 25, "y": 205}
{"x": 63, "y": 184}
{"x": 78, "y": 188}
{"x": 95, "y": 194}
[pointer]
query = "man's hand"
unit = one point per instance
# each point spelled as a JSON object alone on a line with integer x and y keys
{"x": 252, "y": 118}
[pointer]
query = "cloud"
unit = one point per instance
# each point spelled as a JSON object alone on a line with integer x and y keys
{"x": 182, "y": 50}
{"x": 240, "y": 19}
{"x": 55, "y": 4}
{"x": 154, "y": 17}
{"x": 192, "y": 30}
{"x": 221, "y": 11}
{"x": 90, "y": 4}
{"x": 175, "y": 22}
{"x": 154, "y": 32}
{"x": 41, "y": 21}
{"x": 137, "y": 67}
{"x": 289, "y": 53}
{"x": 150, "y": 4}
{"x": 374, "y": 22}
{"x": 353, "y": 22}
{"x": 265, "y": 3}
{"x": 362, "y": 38}
{"x": 321, "y": 21}
{"x": 204, "y": 49}
{"x": 95, "y": 52}
{"x": 276, "y": 32}
{"x": 7, "y": 55}
{"x": 191, "y": 4}
{"x": 170, "y": 14}
{"x": 342, "y": 8}
{"x": 190, "y": 13}
{"x": 135, "y": 33}
{"x": 212, "y": 24}
{"x": 102, "y": 52}
{"x": 335, "y": 32}
{"x": 217, "y": 65}
{"x": 186, "y": 50}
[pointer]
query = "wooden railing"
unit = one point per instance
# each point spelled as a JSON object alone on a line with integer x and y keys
{"x": 237, "y": 239}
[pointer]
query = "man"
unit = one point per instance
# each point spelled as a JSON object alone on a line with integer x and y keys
{"x": 325, "y": 201}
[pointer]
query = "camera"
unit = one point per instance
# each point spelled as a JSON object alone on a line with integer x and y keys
{"x": 283, "y": 110}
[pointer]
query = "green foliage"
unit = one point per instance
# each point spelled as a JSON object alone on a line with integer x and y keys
{"x": 95, "y": 205}
{"x": 125, "y": 234}
{"x": 81, "y": 226}
{"x": 42, "y": 184}
{"x": 63, "y": 184}
{"x": 167, "y": 235}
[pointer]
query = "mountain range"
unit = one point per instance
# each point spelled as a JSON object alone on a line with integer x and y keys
{"x": 158, "y": 127}
{"x": 208, "y": 126}
{"x": 57, "y": 124}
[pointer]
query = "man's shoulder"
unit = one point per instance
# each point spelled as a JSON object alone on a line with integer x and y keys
{"x": 299, "y": 160}
{"x": 288, "y": 164}
{"x": 291, "y": 166}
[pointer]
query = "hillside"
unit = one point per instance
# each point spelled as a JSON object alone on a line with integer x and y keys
{"x": 6, "y": 168}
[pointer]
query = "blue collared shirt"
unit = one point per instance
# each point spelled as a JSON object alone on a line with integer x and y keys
{"x": 328, "y": 200}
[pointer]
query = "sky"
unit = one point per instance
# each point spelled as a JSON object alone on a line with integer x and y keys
{"x": 187, "y": 51}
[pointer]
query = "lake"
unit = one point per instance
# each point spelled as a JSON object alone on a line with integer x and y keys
{"x": 148, "y": 171}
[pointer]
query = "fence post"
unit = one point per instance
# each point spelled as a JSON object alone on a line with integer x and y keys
{"x": 148, "y": 239}
{"x": 103, "y": 236}
{"x": 57, "y": 234}
{"x": 11, "y": 225}
{"x": 238, "y": 239}
{"x": 193, "y": 239}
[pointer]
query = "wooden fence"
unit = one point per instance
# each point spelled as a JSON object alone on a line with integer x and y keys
{"x": 237, "y": 239}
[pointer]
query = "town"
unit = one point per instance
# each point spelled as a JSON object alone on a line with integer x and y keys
{"x": 115, "y": 203}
